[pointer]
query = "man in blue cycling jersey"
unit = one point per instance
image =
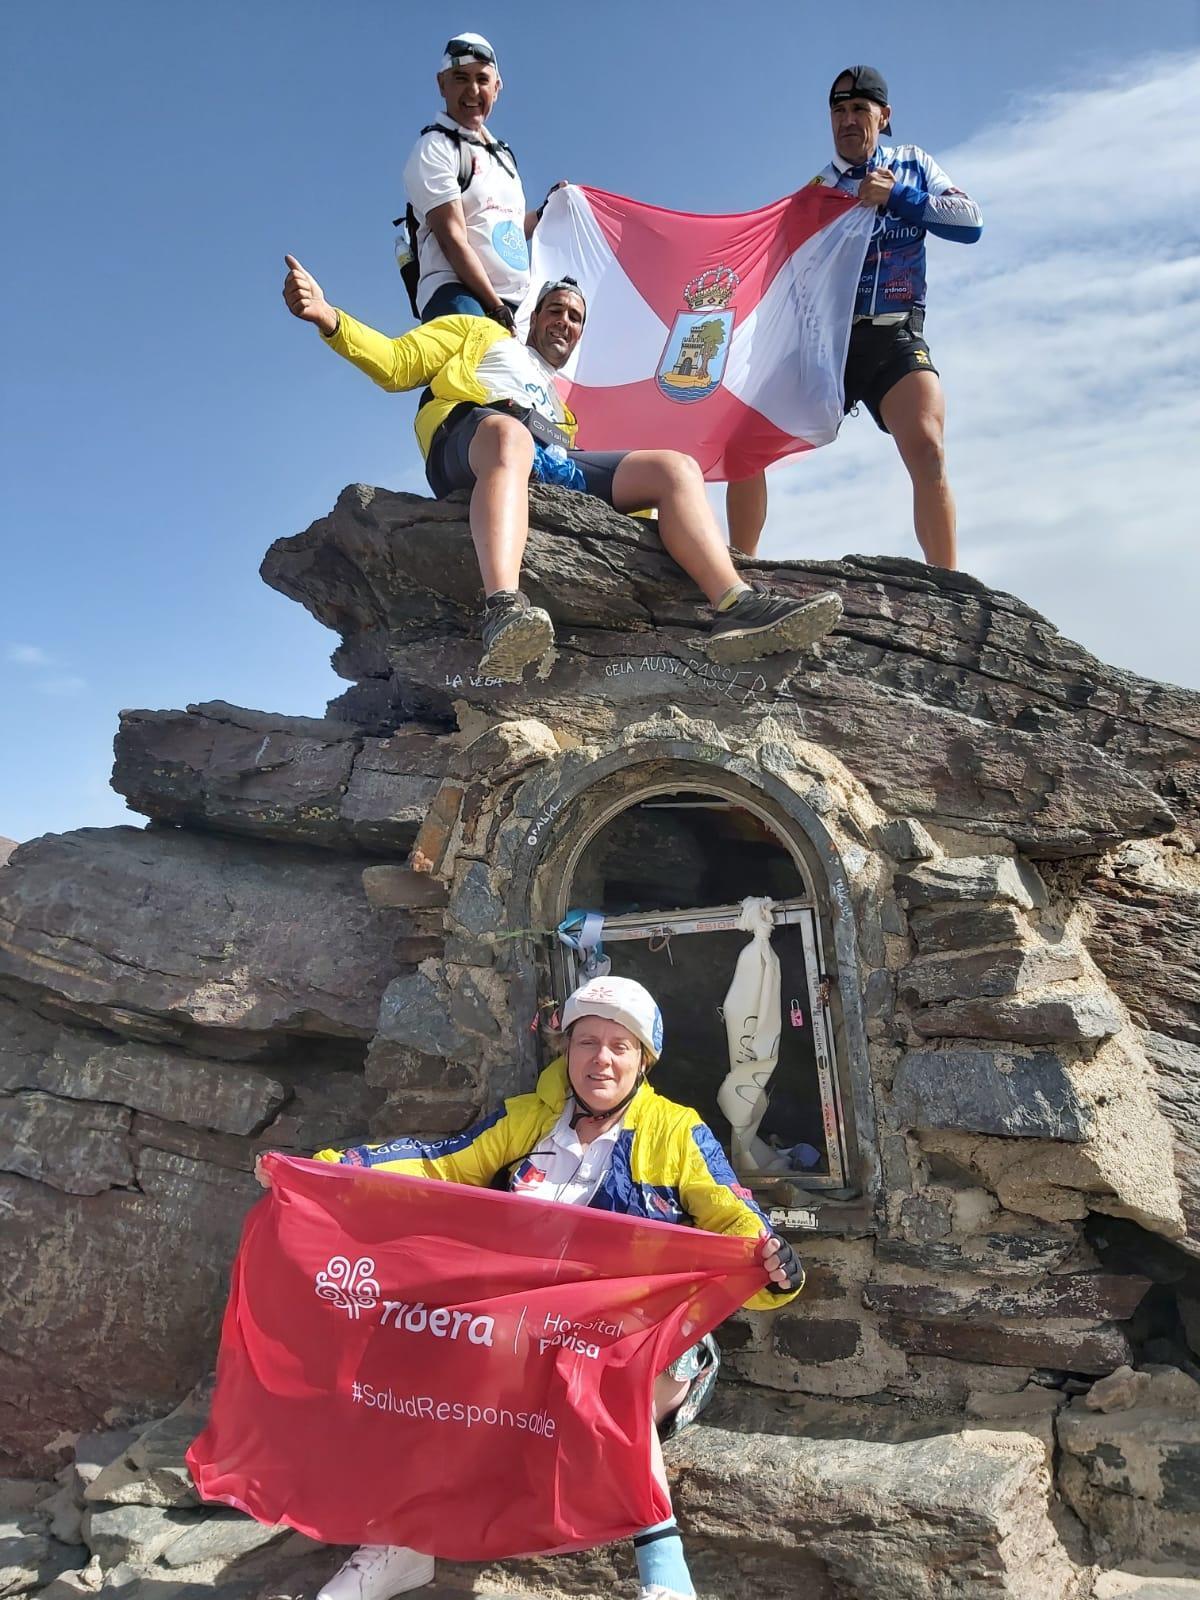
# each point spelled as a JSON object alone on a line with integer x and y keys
{"x": 888, "y": 365}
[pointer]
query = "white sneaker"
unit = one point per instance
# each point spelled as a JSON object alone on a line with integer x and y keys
{"x": 655, "y": 1591}
{"x": 378, "y": 1571}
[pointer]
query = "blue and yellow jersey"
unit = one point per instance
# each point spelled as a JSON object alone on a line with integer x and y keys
{"x": 666, "y": 1165}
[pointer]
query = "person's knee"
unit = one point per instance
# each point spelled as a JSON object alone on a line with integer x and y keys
{"x": 680, "y": 470}
{"x": 924, "y": 453}
{"x": 501, "y": 441}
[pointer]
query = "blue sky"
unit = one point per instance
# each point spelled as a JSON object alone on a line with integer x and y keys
{"x": 164, "y": 419}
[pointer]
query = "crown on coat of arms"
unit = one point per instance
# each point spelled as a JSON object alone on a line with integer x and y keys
{"x": 713, "y": 287}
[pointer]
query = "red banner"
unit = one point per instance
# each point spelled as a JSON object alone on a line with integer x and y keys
{"x": 459, "y": 1370}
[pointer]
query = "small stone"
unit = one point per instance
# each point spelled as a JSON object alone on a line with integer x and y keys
{"x": 400, "y": 888}
{"x": 990, "y": 1091}
{"x": 95, "y": 1451}
{"x": 905, "y": 839}
{"x": 968, "y": 926}
{"x": 475, "y": 906}
{"x": 66, "y": 1516}
{"x": 1031, "y": 1401}
{"x": 134, "y": 1533}
{"x": 1120, "y": 1391}
{"x": 971, "y": 878}
{"x": 974, "y": 975}
{"x": 24, "y": 1551}
{"x": 222, "y": 1536}
{"x": 1081, "y": 1017}
{"x": 415, "y": 1013}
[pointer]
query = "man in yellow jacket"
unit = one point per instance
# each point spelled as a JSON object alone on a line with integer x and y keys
{"x": 493, "y": 419}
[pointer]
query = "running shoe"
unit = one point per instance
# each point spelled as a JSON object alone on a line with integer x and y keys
{"x": 377, "y": 1572}
{"x": 655, "y": 1591}
{"x": 514, "y": 634}
{"x": 760, "y": 623}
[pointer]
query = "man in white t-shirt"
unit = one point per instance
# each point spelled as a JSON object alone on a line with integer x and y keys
{"x": 493, "y": 420}
{"x": 471, "y": 243}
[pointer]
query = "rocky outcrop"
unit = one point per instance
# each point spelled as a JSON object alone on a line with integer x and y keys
{"x": 336, "y": 927}
{"x": 951, "y": 702}
{"x": 955, "y": 1516}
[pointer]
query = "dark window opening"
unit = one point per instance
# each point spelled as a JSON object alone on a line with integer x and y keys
{"x": 668, "y": 873}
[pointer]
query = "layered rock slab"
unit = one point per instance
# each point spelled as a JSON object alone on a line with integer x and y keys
{"x": 1076, "y": 754}
{"x": 167, "y": 935}
{"x": 302, "y": 780}
{"x": 959, "y": 1516}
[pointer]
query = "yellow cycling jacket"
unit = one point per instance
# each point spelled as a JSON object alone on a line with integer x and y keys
{"x": 442, "y": 355}
{"x": 666, "y": 1163}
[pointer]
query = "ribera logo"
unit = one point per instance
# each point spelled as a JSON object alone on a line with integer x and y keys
{"x": 351, "y": 1286}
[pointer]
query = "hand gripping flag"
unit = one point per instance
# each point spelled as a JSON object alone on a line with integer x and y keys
{"x": 411, "y": 1362}
{"x": 724, "y": 337}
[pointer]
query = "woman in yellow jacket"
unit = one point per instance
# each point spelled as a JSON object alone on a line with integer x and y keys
{"x": 594, "y": 1133}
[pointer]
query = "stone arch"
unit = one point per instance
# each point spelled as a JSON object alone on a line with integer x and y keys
{"x": 562, "y": 809}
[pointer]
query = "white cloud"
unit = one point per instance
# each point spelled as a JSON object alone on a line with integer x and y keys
{"x": 27, "y": 655}
{"x": 1069, "y": 343}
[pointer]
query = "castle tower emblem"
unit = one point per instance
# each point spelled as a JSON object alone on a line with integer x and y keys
{"x": 697, "y": 348}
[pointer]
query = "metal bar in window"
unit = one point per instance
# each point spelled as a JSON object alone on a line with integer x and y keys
{"x": 831, "y": 1111}
{"x": 721, "y": 919}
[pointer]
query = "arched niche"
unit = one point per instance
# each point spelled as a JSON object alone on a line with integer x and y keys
{"x": 673, "y": 822}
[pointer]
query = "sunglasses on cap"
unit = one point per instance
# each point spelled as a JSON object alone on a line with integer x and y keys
{"x": 462, "y": 49}
{"x": 547, "y": 289}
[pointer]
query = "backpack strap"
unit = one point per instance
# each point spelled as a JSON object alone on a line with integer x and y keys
{"x": 466, "y": 161}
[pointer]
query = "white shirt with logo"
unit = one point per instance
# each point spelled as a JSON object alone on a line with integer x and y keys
{"x": 563, "y": 1169}
{"x": 514, "y": 371}
{"x": 493, "y": 210}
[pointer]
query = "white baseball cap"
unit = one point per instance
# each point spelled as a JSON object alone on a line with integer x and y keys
{"x": 468, "y": 47}
{"x": 619, "y": 1000}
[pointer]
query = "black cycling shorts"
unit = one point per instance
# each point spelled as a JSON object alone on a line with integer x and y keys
{"x": 448, "y": 466}
{"x": 880, "y": 354}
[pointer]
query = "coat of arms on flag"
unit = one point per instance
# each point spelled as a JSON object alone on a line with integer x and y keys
{"x": 749, "y": 314}
{"x": 698, "y": 347}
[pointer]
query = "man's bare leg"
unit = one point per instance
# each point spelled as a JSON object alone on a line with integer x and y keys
{"x": 746, "y": 512}
{"x": 501, "y": 457}
{"x": 674, "y": 485}
{"x": 915, "y": 413}
{"x": 748, "y": 624}
{"x": 514, "y": 632}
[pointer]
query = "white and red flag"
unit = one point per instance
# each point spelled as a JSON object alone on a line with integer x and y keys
{"x": 411, "y": 1362}
{"x": 724, "y": 337}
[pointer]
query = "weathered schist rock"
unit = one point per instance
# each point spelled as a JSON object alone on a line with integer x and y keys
{"x": 338, "y": 927}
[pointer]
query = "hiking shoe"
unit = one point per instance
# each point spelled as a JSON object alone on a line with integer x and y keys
{"x": 760, "y": 623}
{"x": 514, "y": 634}
{"x": 377, "y": 1572}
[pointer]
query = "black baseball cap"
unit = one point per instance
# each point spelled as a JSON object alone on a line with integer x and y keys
{"x": 866, "y": 84}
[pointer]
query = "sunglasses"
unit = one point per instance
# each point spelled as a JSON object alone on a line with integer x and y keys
{"x": 460, "y": 49}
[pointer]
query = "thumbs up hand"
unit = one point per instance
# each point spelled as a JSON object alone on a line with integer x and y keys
{"x": 304, "y": 298}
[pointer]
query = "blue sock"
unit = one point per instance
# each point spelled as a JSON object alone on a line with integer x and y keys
{"x": 660, "y": 1558}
